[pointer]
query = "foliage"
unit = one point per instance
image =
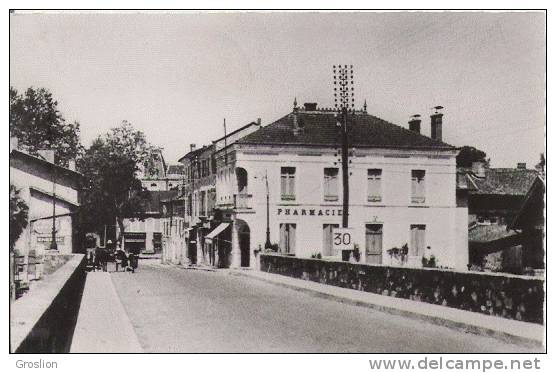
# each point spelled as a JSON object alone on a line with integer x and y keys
{"x": 113, "y": 191}
{"x": 468, "y": 155}
{"x": 37, "y": 124}
{"x": 316, "y": 255}
{"x": 430, "y": 262}
{"x": 400, "y": 254}
{"x": 19, "y": 212}
{"x": 541, "y": 166}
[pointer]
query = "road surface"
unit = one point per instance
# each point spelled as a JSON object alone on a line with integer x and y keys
{"x": 183, "y": 310}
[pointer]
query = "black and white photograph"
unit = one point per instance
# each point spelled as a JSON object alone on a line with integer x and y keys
{"x": 278, "y": 181}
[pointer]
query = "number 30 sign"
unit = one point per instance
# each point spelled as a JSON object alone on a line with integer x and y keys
{"x": 342, "y": 238}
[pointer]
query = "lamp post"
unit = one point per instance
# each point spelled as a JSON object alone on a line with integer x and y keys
{"x": 53, "y": 244}
{"x": 267, "y": 244}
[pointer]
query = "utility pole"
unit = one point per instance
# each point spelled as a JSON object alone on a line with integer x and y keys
{"x": 225, "y": 144}
{"x": 344, "y": 102}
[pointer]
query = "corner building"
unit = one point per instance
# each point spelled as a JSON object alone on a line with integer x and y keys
{"x": 402, "y": 189}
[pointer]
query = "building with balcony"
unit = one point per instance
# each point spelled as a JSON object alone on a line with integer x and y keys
{"x": 402, "y": 190}
{"x": 203, "y": 233}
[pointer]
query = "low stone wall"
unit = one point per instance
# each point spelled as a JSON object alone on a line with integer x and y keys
{"x": 509, "y": 296}
{"x": 43, "y": 320}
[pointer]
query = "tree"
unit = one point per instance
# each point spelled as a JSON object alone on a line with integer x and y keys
{"x": 113, "y": 191}
{"x": 541, "y": 166}
{"x": 468, "y": 155}
{"x": 37, "y": 123}
{"x": 19, "y": 212}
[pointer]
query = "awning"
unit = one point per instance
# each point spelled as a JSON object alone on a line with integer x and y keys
{"x": 216, "y": 231}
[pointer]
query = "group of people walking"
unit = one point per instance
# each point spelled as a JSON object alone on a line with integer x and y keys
{"x": 99, "y": 257}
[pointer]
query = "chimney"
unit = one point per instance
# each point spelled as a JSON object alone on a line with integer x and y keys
{"x": 522, "y": 166}
{"x": 71, "y": 164}
{"x": 436, "y": 123}
{"x": 47, "y": 155}
{"x": 415, "y": 123}
{"x": 478, "y": 168}
{"x": 14, "y": 143}
{"x": 310, "y": 106}
{"x": 258, "y": 122}
{"x": 192, "y": 147}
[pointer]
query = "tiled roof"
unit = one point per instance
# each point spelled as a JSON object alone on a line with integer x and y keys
{"x": 320, "y": 128}
{"x": 505, "y": 181}
{"x": 175, "y": 169}
{"x": 197, "y": 152}
{"x": 488, "y": 233}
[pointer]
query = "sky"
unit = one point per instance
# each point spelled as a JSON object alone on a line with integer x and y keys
{"x": 176, "y": 76}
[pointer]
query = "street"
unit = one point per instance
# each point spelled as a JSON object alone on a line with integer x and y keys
{"x": 180, "y": 310}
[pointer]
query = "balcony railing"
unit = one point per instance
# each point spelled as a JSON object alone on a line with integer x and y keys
{"x": 242, "y": 201}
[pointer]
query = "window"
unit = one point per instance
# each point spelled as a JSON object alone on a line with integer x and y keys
{"x": 373, "y": 243}
{"x": 418, "y": 186}
{"x": 327, "y": 239}
{"x": 288, "y": 183}
{"x": 287, "y": 238}
{"x": 202, "y": 204}
{"x": 417, "y": 247}
{"x": 330, "y": 184}
{"x": 374, "y": 185}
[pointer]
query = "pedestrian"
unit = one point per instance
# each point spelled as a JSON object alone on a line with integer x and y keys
{"x": 97, "y": 258}
{"x": 133, "y": 260}
{"x": 121, "y": 259}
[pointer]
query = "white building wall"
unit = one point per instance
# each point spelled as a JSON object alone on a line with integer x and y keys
{"x": 446, "y": 230}
{"x": 40, "y": 206}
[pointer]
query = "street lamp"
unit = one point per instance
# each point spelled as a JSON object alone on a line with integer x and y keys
{"x": 53, "y": 244}
{"x": 267, "y": 244}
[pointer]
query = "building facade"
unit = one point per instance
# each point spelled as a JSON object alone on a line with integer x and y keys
{"x": 49, "y": 190}
{"x": 201, "y": 217}
{"x": 402, "y": 191}
{"x": 495, "y": 200}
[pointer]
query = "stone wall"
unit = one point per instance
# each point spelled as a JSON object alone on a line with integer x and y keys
{"x": 44, "y": 319}
{"x": 509, "y": 296}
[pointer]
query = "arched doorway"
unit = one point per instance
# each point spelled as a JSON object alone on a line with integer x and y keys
{"x": 244, "y": 238}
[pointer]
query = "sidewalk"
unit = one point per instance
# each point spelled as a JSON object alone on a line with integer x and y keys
{"x": 102, "y": 324}
{"x": 508, "y": 330}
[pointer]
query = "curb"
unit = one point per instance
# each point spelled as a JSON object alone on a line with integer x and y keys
{"x": 437, "y": 320}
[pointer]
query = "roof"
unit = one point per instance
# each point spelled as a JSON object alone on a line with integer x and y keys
{"x": 532, "y": 209}
{"x": 488, "y": 233}
{"x": 196, "y": 152}
{"x": 175, "y": 169}
{"x": 504, "y": 181}
{"x": 16, "y": 153}
{"x": 236, "y": 131}
{"x": 320, "y": 128}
